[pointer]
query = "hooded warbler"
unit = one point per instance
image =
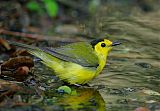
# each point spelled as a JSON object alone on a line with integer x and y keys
{"x": 75, "y": 63}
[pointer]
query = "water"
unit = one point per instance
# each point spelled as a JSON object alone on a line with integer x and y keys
{"x": 132, "y": 76}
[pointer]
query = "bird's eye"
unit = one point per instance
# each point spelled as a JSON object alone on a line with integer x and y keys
{"x": 103, "y": 45}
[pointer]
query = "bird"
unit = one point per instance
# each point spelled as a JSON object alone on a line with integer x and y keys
{"x": 74, "y": 63}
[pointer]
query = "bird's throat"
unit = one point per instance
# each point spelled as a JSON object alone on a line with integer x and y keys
{"x": 102, "y": 63}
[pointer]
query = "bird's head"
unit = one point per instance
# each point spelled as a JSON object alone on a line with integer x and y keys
{"x": 103, "y": 46}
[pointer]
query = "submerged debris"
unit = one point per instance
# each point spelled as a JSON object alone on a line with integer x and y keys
{"x": 17, "y": 68}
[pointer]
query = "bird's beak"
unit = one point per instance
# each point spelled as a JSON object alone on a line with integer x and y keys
{"x": 116, "y": 43}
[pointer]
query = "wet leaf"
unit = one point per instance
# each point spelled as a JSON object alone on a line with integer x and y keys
{"x": 16, "y": 62}
{"x": 66, "y": 89}
{"x": 17, "y": 67}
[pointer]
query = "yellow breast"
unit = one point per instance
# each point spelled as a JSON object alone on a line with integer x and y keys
{"x": 76, "y": 74}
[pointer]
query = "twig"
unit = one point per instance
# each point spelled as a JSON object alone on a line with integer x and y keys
{"x": 21, "y": 34}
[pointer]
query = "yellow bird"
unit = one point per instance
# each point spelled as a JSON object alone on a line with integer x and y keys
{"x": 75, "y": 63}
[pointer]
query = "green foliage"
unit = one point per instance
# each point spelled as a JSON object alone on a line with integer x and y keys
{"x": 33, "y": 6}
{"x": 49, "y": 6}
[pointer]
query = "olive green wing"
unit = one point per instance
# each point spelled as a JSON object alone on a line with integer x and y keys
{"x": 81, "y": 53}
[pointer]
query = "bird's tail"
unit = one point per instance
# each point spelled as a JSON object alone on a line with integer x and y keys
{"x": 31, "y": 49}
{"x": 46, "y": 58}
{"x": 28, "y": 47}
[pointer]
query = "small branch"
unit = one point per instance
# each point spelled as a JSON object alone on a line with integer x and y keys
{"x": 21, "y": 34}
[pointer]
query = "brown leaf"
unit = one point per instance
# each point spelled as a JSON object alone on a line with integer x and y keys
{"x": 17, "y": 62}
{"x": 17, "y": 67}
{"x": 20, "y": 52}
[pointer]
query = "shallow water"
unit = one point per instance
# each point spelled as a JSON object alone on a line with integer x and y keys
{"x": 132, "y": 77}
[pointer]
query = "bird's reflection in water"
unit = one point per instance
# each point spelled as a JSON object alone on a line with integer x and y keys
{"x": 86, "y": 99}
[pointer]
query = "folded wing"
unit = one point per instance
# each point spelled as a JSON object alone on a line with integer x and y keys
{"x": 81, "y": 53}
